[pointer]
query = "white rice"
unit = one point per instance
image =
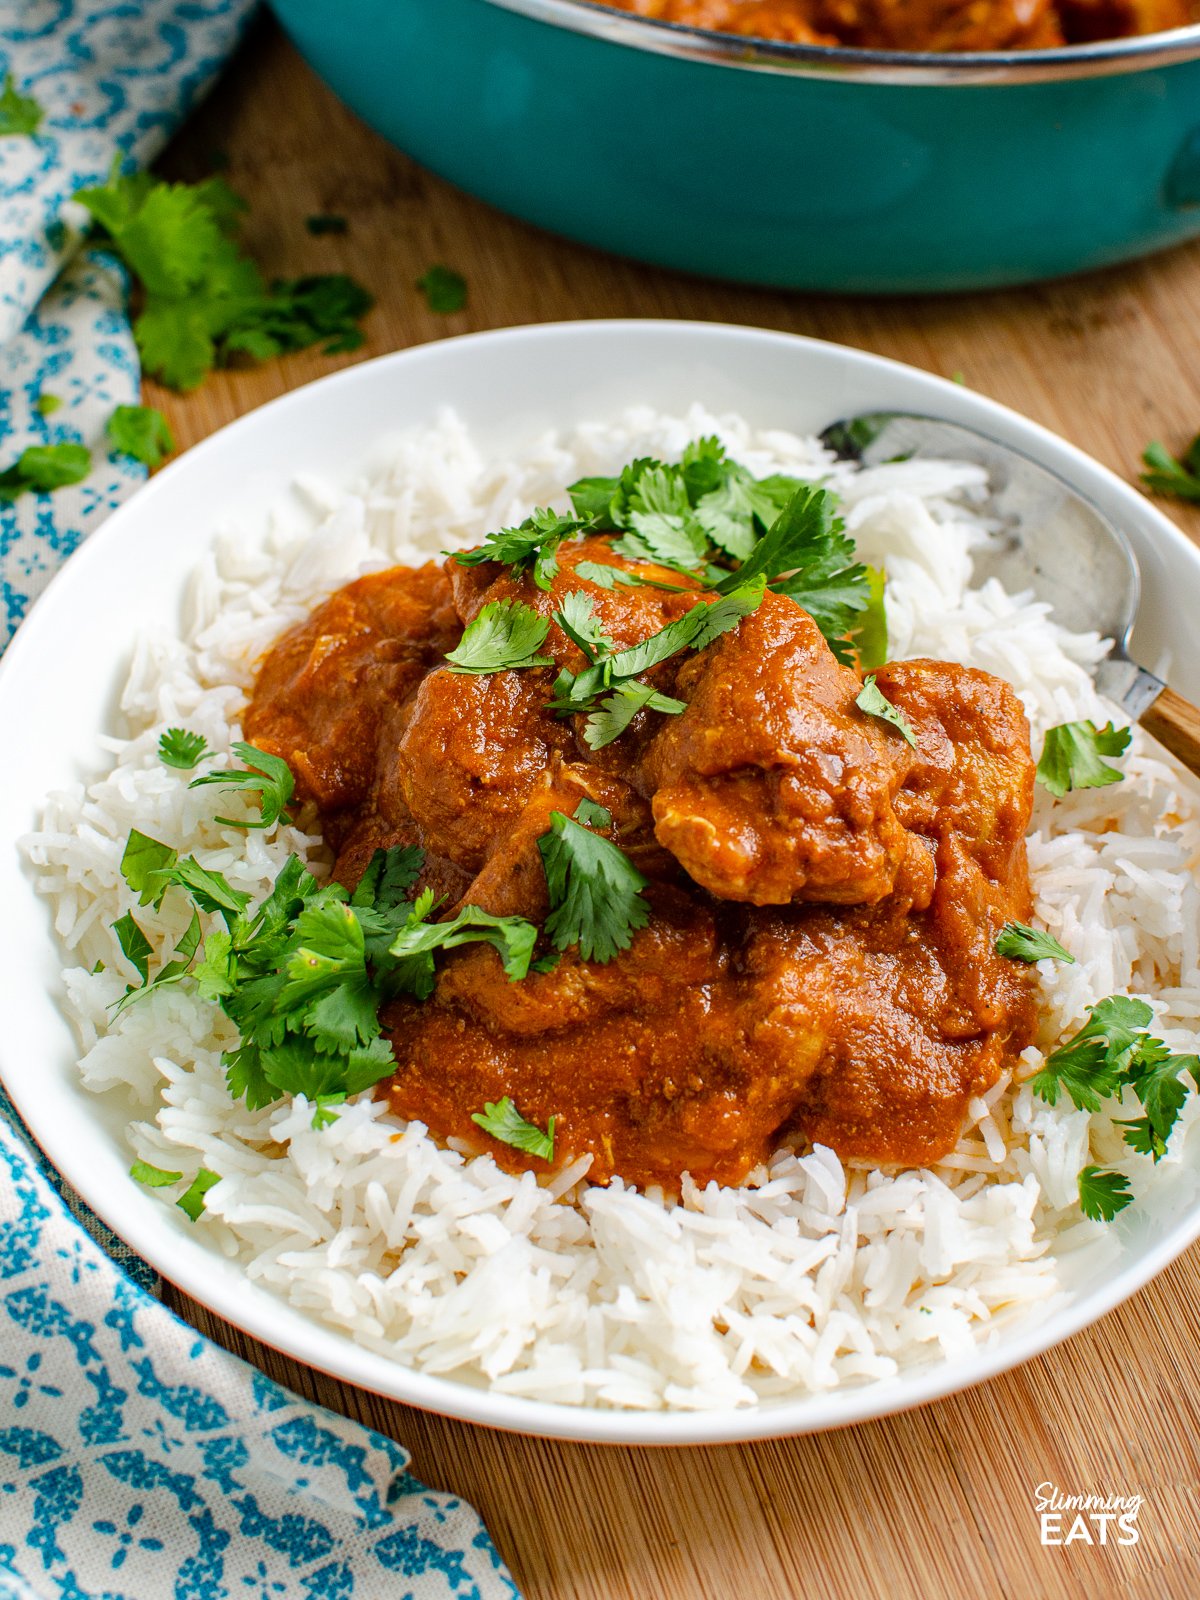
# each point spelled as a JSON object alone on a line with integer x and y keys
{"x": 821, "y": 1273}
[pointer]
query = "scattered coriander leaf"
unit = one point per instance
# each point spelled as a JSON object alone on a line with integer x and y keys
{"x": 591, "y": 815}
{"x": 209, "y": 890}
{"x": 618, "y": 709}
{"x": 1166, "y": 475}
{"x": 606, "y": 577}
{"x": 42, "y": 468}
{"x": 504, "y": 1122}
{"x": 323, "y": 222}
{"x": 326, "y": 1110}
{"x": 143, "y": 862}
{"x": 533, "y": 542}
{"x": 1071, "y": 756}
{"x": 444, "y": 289}
{"x": 135, "y": 946}
{"x": 1140, "y": 1136}
{"x": 19, "y": 113}
{"x": 577, "y": 619}
{"x": 596, "y": 899}
{"x": 191, "y": 1202}
{"x": 324, "y": 309}
{"x": 1022, "y": 943}
{"x": 513, "y": 937}
{"x": 266, "y": 775}
{"x": 182, "y": 749}
{"x": 389, "y": 876}
{"x": 153, "y": 1177}
{"x": 47, "y": 404}
{"x": 1153, "y": 1075}
{"x": 869, "y": 635}
{"x": 1092, "y": 1065}
{"x": 875, "y": 703}
{"x": 141, "y": 432}
{"x": 1103, "y": 1194}
{"x": 505, "y": 634}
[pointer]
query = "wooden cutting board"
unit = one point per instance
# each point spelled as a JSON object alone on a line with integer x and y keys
{"x": 940, "y": 1502}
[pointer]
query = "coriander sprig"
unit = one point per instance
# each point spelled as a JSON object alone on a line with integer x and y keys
{"x": 1112, "y": 1052}
{"x": 266, "y": 775}
{"x": 596, "y": 899}
{"x": 504, "y": 1122}
{"x": 1071, "y": 756}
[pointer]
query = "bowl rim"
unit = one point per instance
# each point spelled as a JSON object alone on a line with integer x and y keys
{"x": 137, "y": 1216}
{"x": 1101, "y": 58}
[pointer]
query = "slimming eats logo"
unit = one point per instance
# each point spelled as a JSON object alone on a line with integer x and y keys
{"x": 1086, "y": 1518}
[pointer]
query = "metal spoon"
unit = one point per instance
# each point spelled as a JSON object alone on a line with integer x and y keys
{"x": 1052, "y": 541}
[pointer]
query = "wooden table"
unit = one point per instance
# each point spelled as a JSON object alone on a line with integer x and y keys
{"x": 938, "y": 1502}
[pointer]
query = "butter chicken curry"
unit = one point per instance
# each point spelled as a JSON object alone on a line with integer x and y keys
{"x": 813, "y": 868}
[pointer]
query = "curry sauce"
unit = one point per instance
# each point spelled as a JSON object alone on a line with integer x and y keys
{"x": 818, "y": 961}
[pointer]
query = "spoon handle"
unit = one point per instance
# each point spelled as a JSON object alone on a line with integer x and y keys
{"x": 1175, "y": 723}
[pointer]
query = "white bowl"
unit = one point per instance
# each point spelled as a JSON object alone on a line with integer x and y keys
{"x": 59, "y": 680}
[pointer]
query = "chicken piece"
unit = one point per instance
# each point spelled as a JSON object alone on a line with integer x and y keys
{"x": 1087, "y": 20}
{"x": 322, "y": 691}
{"x": 773, "y": 786}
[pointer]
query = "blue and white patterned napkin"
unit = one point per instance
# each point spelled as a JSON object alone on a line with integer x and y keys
{"x": 137, "y": 1460}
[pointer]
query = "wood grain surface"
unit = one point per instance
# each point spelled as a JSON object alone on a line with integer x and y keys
{"x": 939, "y": 1502}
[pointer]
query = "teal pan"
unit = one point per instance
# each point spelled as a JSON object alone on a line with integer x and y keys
{"x": 802, "y": 167}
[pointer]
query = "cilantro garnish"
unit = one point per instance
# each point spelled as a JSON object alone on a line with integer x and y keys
{"x": 607, "y": 690}
{"x": 182, "y": 749}
{"x": 266, "y": 775}
{"x": 19, "y": 113}
{"x": 505, "y": 634}
{"x": 875, "y": 703}
{"x": 592, "y": 815}
{"x": 1103, "y": 1194}
{"x": 533, "y": 542}
{"x": 1167, "y": 475}
{"x": 202, "y": 298}
{"x": 1111, "y": 1053}
{"x": 47, "y": 404}
{"x": 141, "y": 432}
{"x": 42, "y": 468}
{"x": 1022, "y": 943}
{"x": 135, "y": 946}
{"x": 325, "y": 222}
{"x": 191, "y": 1202}
{"x": 1071, "y": 756}
{"x": 869, "y": 634}
{"x": 504, "y": 1122}
{"x": 596, "y": 899}
{"x": 153, "y": 1177}
{"x": 444, "y": 289}
{"x": 415, "y": 943}
{"x": 606, "y": 577}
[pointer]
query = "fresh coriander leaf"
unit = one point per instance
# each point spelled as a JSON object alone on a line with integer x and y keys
{"x": 513, "y": 937}
{"x": 215, "y": 973}
{"x": 325, "y": 222}
{"x": 42, "y": 468}
{"x": 1153, "y": 1075}
{"x": 191, "y": 1203}
{"x": 47, "y": 404}
{"x": 19, "y": 113}
{"x": 153, "y": 1177}
{"x": 299, "y": 312}
{"x": 546, "y": 963}
{"x": 297, "y": 1066}
{"x": 135, "y": 946}
{"x": 182, "y": 749}
{"x": 504, "y": 635}
{"x": 618, "y": 709}
{"x": 596, "y": 899}
{"x": 245, "y": 1078}
{"x": 1103, "y": 1194}
{"x": 605, "y": 577}
{"x": 723, "y": 614}
{"x": 1071, "y": 756}
{"x": 533, "y": 542}
{"x": 869, "y": 635}
{"x": 591, "y": 815}
{"x": 326, "y": 1110}
{"x": 389, "y": 876}
{"x": 141, "y": 432}
{"x": 875, "y": 703}
{"x": 326, "y": 979}
{"x": 1166, "y": 475}
{"x": 267, "y": 776}
{"x": 1092, "y": 1065}
{"x": 209, "y": 890}
{"x": 142, "y": 864}
{"x": 504, "y": 1122}
{"x": 444, "y": 289}
{"x": 577, "y": 619}
{"x": 1140, "y": 1135}
{"x": 1023, "y": 943}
